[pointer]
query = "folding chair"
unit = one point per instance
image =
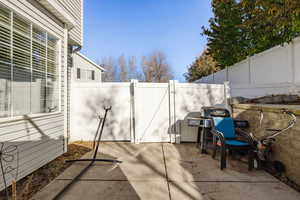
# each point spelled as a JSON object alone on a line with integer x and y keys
{"x": 225, "y": 137}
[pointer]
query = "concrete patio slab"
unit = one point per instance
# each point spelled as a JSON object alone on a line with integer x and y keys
{"x": 184, "y": 163}
{"x": 165, "y": 171}
{"x": 116, "y": 190}
{"x": 231, "y": 191}
{"x": 127, "y": 170}
{"x": 141, "y": 160}
{"x": 126, "y": 149}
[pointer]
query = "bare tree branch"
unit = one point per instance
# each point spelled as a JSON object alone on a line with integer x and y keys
{"x": 110, "y": 70}
{"x": 156, "y": 68}
{"x": 123, "y": 69}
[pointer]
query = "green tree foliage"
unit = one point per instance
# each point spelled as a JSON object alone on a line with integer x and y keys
{"x": 224, "y": 32}
{"x": 241, "y": 28}
{"x": 202, "y": 66}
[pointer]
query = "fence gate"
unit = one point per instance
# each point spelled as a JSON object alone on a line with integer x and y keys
{"x": 152, "y": 112}
{"x": 141, "y": 112}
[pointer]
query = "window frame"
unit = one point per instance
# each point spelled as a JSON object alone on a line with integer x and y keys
{"x": 93, "y": 75}
{"x": 59, "y": 49}
{"x": 89, "y": 75}
{"x": 78, "y": 72}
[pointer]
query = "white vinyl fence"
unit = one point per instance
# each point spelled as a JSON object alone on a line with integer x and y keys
{"x": 274, "y": 71}
{"x": 141, "y": 112}
{"x": 87, "y": 102}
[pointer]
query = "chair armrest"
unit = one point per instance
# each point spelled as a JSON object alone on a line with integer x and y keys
{"x": 241, "y": 123}
{"x": 219, "y": 135}
{"x": 246, "y": 136}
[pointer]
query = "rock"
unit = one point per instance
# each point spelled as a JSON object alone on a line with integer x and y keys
{"x": 238, "y": 100}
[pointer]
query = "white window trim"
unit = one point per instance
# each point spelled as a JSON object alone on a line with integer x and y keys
{"x": 12, "y": 118}
{"x": 59, "y": 54}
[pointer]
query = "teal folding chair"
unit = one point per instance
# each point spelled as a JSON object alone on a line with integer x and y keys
{"x": 225, "y": 138}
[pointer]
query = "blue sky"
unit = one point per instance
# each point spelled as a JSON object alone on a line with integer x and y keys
{"x": 139, "y": 27}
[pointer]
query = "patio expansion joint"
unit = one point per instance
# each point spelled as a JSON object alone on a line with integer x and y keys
{"x": 108, "y": 180}
{"x": 169, "y": 181}
{"x": 166, "y": 171}
{"x": 211, "y": 181}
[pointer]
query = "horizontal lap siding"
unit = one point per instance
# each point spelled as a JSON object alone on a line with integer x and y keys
{"x": 74, "y": 7}
{"x": 68, "y": 107}
{"x": 40, "y": 139}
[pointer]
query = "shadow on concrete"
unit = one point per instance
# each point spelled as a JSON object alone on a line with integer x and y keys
{"x": 100, "y": 181}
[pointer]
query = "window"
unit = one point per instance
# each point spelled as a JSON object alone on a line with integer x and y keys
{"x": 28, "y": 67}
{"x": 93, "y": 75}
{"x": 85, "y": 74}
{"x": 78, "y": 73}
{"x": 90, "y": 74}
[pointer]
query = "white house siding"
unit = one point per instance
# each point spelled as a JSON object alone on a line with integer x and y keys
{"x": 40, "y": 138}
{"x": 69, "y": 77}
{"x": 75, "y": 9}
{"x": 83, "y": 64}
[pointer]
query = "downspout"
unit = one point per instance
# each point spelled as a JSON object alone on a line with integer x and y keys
{"x": 77, "y": 49}
{"x": 65, "y": 92}
{"x": 71, "y": 50}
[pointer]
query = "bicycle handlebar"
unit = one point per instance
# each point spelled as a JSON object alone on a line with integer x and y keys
{"x": 291, "y": 123}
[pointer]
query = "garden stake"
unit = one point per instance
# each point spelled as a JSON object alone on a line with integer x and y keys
{"x": 14, "y": 190}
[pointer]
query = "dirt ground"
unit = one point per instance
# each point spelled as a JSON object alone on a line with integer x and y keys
{"x": 31, "y": 184}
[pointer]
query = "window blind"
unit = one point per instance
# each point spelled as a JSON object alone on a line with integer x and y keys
{"x": 28, "y": 67}
{"x": 21, "y": 67}
{"x": 5, "y": 62}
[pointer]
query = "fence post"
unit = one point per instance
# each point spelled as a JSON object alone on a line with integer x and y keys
{"x": 293, "y": 66}
{"x": 249, "y": 70}
{"x": 172, "y": 111}
{"x": 227, "y": 95}
{"x": 227, "y": 73}
{"x": 133, "y": 135}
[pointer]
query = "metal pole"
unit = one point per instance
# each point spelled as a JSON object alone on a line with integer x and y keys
{"x": 92, "y": 160}
{"x": 101, "y": 131}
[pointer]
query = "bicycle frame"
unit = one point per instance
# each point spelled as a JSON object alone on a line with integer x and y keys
{"x": 264, "y": 144}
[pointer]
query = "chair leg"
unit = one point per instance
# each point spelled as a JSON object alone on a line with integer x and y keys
{"x": 259, "y": 162}
{"x": 223, "y": 157}
{"x": 250, "y": 160}
{"x": 214, "y": 148}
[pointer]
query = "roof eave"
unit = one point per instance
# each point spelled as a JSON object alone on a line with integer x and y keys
{"x": 90, "y": 61}
{"x": 59, "y": 12}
